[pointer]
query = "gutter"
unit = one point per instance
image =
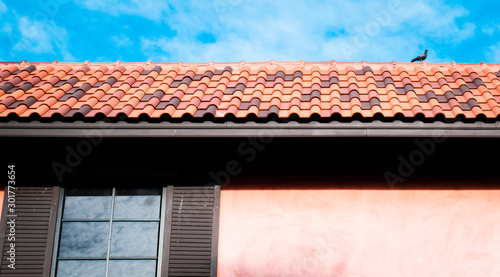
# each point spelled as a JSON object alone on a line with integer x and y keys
{"x": 249, "y": 129}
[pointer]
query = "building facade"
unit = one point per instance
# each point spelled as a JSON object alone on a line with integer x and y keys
{"x": 250, "y": 169}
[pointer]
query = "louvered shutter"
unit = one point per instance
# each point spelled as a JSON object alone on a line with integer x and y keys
{"x": 191, "y": 231}
{"x": 35, "y": 215}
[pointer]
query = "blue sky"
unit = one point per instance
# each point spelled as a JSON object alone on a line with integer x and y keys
{"x": 235, "y": 30}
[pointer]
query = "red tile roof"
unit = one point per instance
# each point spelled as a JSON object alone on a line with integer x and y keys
{"x": 241, "y": 89}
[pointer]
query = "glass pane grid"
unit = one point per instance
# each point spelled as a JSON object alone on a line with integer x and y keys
{"x": 114, "y": 231}
{"x": 114, "y": 220}
{"x": 82, "y": 258}
{"x": 111, "y": 258}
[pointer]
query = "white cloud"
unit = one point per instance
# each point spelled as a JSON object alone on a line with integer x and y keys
{"x": 493, "y": 53}
{"x": 7, "y": 28}
{"x": 42, "y": 37}
{"x": 233, "y": 48}
{"x": 150, "y": 9}
{"x": 434, "y": 20}
{"x": 36, "y": 36}
{"x": 488, "y": 30}
{"x": 3, "y": 8}
{"x": 103, "y": 59}
{"x": 121, "y": 40}
{"x": 261, "y": 30}
{"x": 466, "y": 31}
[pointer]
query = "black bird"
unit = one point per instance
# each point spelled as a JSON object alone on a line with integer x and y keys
{"x": 421, "y": 57}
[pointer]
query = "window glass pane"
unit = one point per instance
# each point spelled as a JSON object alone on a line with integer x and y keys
{"x": 132, "y": 268}
{"x": 68, "y": 268}
{"x": 87, "y": 207}
{"x": 138, "y": 207}
{"x": 134, "y": 239}
{"x": 84, "y": 239}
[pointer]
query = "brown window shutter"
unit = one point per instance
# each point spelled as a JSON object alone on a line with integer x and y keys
{"x": 35, "y": 221}
{"x": 191, "y": 231}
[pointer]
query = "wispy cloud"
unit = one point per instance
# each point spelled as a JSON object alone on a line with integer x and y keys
{"x": 121, "y": 40}
{"x": 490, "y": 29}
{"x": 190, "y": 50}
{"x": 376, "y": 31}
{"x": 435, "y": 20}
{"x": 3, "y": 8}
{"x": 41, "y": 37}
{"x": 234, "y": 30}
{"x": 493, "y": 53}
{"x": 150, "y": 9}
{"x": 36, "y": 36}
{"x": 6, "y": 28}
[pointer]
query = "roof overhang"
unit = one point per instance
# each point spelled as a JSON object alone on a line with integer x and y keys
{"x": 250, "y": 129}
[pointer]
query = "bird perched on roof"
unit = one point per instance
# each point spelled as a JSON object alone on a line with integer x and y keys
{"x": 421, "y": 57}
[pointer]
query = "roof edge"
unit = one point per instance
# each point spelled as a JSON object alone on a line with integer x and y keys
{"x": 340, "y": 64}
{"x": 250, "y": 129}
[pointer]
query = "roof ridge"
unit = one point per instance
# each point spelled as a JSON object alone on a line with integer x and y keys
{"x": 393, "y": 65}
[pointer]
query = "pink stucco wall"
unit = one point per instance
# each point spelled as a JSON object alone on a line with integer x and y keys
{"x": 359, "y": 232}
{"x": 1, "y": 197}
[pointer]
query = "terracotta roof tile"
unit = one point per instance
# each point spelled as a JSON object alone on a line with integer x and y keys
{"x": 316, "y": 89}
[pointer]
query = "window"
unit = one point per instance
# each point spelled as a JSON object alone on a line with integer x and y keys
{"x": 110, "y": 232}
{"x": 167, "y": 231}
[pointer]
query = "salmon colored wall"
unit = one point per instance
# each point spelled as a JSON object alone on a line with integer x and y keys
{"x": 359, "y": 232}
{"x": 1, "y": 198}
